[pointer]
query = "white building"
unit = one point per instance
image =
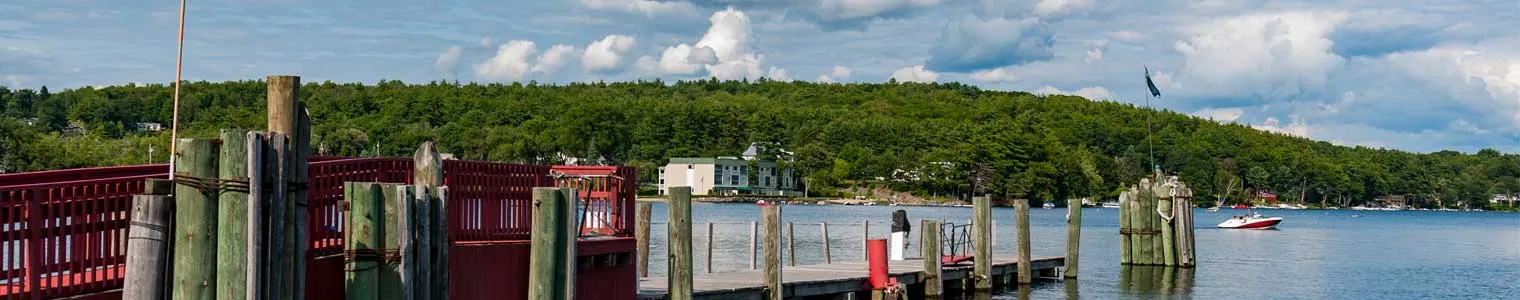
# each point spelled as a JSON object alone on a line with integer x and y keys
{"x": 727, "y": 176}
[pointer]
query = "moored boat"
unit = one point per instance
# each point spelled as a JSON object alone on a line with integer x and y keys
{"x": 1254, "y": 221}
{"x": 1048, "y": 205}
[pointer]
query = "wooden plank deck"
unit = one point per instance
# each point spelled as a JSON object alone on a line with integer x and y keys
{"x": 826, "y": 279}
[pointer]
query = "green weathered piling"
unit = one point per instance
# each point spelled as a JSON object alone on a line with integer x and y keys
{"x": 679, "y": 248}
{"x": 232, "y": 216}
{"x": 390, "y": 206}
{"x": 366, "y": 222}
{"x": 547, "y": 272}
{"x": 195, "y": 219}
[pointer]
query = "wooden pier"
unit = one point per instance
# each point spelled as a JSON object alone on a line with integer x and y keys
{"x": 842, "y": 278}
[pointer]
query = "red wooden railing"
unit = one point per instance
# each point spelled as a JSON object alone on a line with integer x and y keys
{"x": 61, "y": 236}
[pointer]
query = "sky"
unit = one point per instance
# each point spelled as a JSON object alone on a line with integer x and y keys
{"x": 1418, "y": 76}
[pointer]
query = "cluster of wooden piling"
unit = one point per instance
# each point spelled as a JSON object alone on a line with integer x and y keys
{"x": 236, "y": 226}
{"x": 390, "y": 251}
{"x": 1156, "y": 224}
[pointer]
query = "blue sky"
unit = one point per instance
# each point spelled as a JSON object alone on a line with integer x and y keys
{"x": 1412, "y": 75}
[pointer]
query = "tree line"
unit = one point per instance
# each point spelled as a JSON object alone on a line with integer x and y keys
{"x": 930, "y": 139}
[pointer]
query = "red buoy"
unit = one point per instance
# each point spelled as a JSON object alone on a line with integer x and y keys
{"x": 876, "y": 254}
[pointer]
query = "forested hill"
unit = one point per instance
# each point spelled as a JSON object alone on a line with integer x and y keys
{"x": 955, "y": 138}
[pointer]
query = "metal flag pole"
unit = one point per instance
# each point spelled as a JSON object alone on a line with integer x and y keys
{"x": 179, "y": 60}
{"x": 1149, "y": 141}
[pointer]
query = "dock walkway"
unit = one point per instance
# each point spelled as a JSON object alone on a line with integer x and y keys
{"x": 835, "y": 278}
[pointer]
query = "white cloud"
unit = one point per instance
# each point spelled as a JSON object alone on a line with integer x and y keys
{"x": 675, "y": 60}
{"x": 557, "y": 56}
{"x": 607, "y": 53}
{"x": 915, "y": 74}
{"x": 997, "y": 75}
{"x": 841, "y": 72}
{"x": 702, "y": 56}
{"x": 486, "y": 42}
{"x": 447, "y": 62}
{"x": 648, "y": 8}
{"x": 1095, "y": 55}
{"x": 511, "y": 62}
{"x": 1091, "y": 93}
{"x": 1226, "y": 114}
{"x": 1266, "y": 56}
{"x": 1296, "y": 128}
{"x": 778, "y": 74}
{"x": 723, "y": 51}
{"x": 734, "y": 69}
{"x": 838, "y": 73}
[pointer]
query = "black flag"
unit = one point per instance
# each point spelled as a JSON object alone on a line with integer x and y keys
{"x": 1154, "y": 92}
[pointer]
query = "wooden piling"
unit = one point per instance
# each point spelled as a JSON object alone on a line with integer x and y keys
{"x": 1124, "y": 229}
{"x": 754, "y": 230}
{"x": 284, "y": 117}
{"x": 146, "y": 244}
{"x": 865, "y": 237}
{"x": 933, "y": 282}
{"x": 791, "y": 246}
{"x": 826, "y": 257}
{"x": 277, "y": 265}
{"x": 981, "y": 241}
{"x": 679, "y": 243}
{"x": 1136, "y": 229}
{"x": 232, "y": 216}
{"x": 770, "y": 218}
{"x": 427, "y": 171}
{"x": 1021, "y": 216}
{"x": 1154, "y": 224}
{"x": 390, "y": 211}
{"x": 548, "y": 263}
{"x": 405, "y": 241}
{"x": 422, "y": 219}
{"x": 1073, "y": 237}
{"x": 641, "y": 237}
{"x": 195, "y": 219}
{"x": 365, "y": 240}
{"x": 256, "y": 229}
{"x": 709, "y": 246}
{"x": 1168, "y": 238}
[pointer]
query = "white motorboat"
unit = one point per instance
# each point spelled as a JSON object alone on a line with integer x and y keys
{"x": 1110, "y": 204}
{"x": 1254, "y": 221}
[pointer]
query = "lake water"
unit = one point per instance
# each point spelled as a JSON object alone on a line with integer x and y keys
{"x": 1314, "y": 255}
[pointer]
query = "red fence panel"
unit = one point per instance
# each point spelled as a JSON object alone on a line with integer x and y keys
{"x": 65, "y": 238}
{"x": 325, "y": 190}
{"x": 491, "y": 201}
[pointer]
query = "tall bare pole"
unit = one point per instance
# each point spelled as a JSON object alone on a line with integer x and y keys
{"x": 179, "y": 60}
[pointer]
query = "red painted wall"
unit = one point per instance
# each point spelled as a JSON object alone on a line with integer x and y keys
{"x": 499, "y": 270}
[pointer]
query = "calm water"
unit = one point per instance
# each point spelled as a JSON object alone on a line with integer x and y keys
{"x": 1314, "y": 255}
